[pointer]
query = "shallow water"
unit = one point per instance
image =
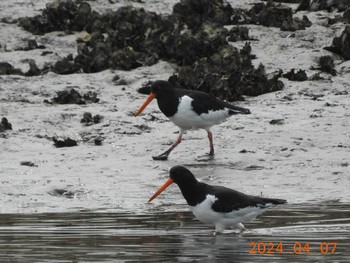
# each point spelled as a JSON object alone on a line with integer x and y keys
{"x": 158, "y": 236}
{"x": 104, "y": 218}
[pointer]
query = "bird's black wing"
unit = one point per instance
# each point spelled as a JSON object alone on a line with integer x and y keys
{"x": 229, "y": 200}
{"x": 203, "y": 102}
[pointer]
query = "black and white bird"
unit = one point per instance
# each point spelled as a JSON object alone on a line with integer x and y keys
{"x": 189, "y": 110}
{"x": 217, "y": 205}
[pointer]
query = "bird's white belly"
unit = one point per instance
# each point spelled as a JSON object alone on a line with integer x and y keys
{"x": 204, "y": 213}
{"x": 187, "y": 119}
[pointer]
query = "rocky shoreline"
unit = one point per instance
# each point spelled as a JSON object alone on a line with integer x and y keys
{"x": 194, "y": 37}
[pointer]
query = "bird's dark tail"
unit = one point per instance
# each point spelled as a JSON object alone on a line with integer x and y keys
{"x": 238, "y": 110}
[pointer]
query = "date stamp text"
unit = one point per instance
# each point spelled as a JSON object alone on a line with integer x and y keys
{"x": 297, "y": 248}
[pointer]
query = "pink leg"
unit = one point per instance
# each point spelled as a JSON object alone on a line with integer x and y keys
{"x": 210, "y": 137}
{"x": 178, "y": 141}
{"x": 164, "y": 155}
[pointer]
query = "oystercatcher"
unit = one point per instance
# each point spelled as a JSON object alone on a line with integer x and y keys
{"x": 189, "y": 109}
{"x": 223, "y": 207}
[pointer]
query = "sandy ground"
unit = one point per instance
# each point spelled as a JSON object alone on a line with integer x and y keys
{"x": 304, "y": 160}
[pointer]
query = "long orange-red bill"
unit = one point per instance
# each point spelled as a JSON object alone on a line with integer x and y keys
{"x": 161, "y": 189}
{"x": 144, "y": 105}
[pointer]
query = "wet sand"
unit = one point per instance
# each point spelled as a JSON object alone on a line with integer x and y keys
{"x": 304, "y": 160}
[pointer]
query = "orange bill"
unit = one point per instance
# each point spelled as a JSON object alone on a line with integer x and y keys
{"x": 161, "y": 189}
{"x": 144, "y": 105}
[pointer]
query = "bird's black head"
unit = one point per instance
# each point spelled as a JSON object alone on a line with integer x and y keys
{"x": 165, "y": 95}
{"x": 188, "y": 185}
{"x": 182, "y": 176}
{"x": 160, "y": 87}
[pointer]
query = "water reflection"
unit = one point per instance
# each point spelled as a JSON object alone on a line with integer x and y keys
{"x": 159, "y": 236}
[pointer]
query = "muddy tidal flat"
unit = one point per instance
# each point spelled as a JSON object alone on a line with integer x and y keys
{"x": 76, "y": 167}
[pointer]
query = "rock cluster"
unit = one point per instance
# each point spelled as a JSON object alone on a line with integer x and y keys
{"x": 88, "y": 119}
{"x": 239, "y": 33}
{"x": 271, "y": 15}
{"x": 341, "y": 44}
{"x": 62, "y": 16}
{"x": 300, "y": 75}
{"x": 71, "y": 96}
{"x": 327, "y": 65}
{"x": 7, "y": 69}
{"x": 5, "y": 125}
{"x": 193, "y": 37}
{"x": 316, "y": 5}
{"x": 60, "y": 142}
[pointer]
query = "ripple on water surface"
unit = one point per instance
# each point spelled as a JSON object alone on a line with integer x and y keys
{"x": 317, "y": 233}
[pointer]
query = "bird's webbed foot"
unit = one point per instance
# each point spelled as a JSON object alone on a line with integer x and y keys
{"x": 161, "y": 157}
{"x": 205, "y": 158}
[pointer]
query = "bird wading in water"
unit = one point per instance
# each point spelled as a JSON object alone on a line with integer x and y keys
{"x": 217, "y": 205}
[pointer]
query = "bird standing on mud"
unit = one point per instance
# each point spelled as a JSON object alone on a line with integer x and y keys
{"x": 189, "y": 110}
{"x": 223, "y": 207}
